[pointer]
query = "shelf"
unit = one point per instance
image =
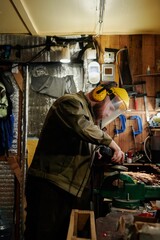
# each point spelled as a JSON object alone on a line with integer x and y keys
{"x": 155, "y": 129}
{"x": 148, "y": 75}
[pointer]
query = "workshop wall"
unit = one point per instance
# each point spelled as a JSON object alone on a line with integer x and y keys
{"x": 144, "y": 51}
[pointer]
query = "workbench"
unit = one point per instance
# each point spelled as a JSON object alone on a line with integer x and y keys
{"x": 122, "y": 190}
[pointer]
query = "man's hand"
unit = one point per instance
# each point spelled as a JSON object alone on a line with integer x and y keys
{"x": 118, "y": 155}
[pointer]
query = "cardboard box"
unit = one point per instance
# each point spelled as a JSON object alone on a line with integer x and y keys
{"x": 145, "y": 219}
{"x": 147, "y": 231}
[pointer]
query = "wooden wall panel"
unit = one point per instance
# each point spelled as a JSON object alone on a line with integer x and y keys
{"x": 148, "y": 56}
{"x": 143, "y": 50}
{"x": 157, "y": 61}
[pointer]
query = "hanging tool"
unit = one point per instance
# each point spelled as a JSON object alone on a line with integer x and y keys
{"x": 135, "y": 133}
{"x": 136, "y": 94}
{"x": 134, "y": 139}
{"x": 135, "y": 102}
{"x": 123, "y": 125}
{"x": 145, "y": 102}
{"x": 126, "y": 80}
{"x": 139, "y": 130}
{"x": 139, "y": 124}
{"x": 123, "y": 67}
{"x": 139, "y": 95}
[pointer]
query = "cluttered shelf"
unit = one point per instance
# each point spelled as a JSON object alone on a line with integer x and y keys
{"x": 139, "y": 164}
{"x": 134, "y": 167}
{"x": 146, "y": 167}
{"x": 155, "y": 129}
{"x": 134, "y": 164}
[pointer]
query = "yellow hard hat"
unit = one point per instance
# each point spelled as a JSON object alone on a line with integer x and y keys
{"x": 101, "y": 91}
{"x": 122, "y": 94}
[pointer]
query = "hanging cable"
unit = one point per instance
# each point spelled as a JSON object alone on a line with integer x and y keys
{"x": 118, "y": 64}
{"x": 101, "y": 10}
{"x": 146, "y": 148}
{"x": 40, "y": 53}
{"x": 101, "y": 14}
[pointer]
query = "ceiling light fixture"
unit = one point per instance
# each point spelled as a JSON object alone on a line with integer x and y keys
{"x": 65, "y": 55}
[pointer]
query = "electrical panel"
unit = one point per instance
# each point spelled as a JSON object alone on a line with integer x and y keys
{"x": 108, "y": 72}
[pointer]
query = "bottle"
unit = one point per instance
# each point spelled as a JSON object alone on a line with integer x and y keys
{"x": 129, "y": 160}
{"x": 148, "y": 70}
{"x": 129, "y": 157}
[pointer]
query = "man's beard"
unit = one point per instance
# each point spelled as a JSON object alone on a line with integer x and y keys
{"x": 97, "y": 111}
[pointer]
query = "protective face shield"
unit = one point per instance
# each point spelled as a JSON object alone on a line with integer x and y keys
{"x": 116, "y": 102}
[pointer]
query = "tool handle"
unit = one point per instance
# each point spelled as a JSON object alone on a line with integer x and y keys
{"x": 123, "y": 125}
{"x": 135, "y": 103}
{"x": 106, "y": 151}
{"x": 139, "y": 123}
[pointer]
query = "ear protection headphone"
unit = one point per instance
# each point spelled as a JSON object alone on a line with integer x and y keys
{"x": 100, "y": 93}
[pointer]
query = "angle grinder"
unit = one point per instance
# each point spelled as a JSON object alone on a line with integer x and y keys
{"x": 107, "y": 154}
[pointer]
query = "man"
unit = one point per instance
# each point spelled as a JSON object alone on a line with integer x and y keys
{"x": 58, "y": 178}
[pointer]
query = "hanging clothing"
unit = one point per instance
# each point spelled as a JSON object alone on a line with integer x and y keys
{"x": 53, "y": 86}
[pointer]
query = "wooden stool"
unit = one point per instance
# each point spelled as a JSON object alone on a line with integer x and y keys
{"x": 77, "y": 223}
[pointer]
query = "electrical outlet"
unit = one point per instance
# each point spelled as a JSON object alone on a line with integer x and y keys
{"x": 109, "y": 57}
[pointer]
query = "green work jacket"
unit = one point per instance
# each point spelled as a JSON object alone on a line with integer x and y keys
{"x": 68, "y": 137}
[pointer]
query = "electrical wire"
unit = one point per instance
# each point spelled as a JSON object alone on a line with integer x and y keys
{"x": 50, "y": 41}
{"x": 40, "y": 53}
{"x": 118, "y": 64}
{"x": 146, "y": 142}
{"x": 101, "y": 11}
